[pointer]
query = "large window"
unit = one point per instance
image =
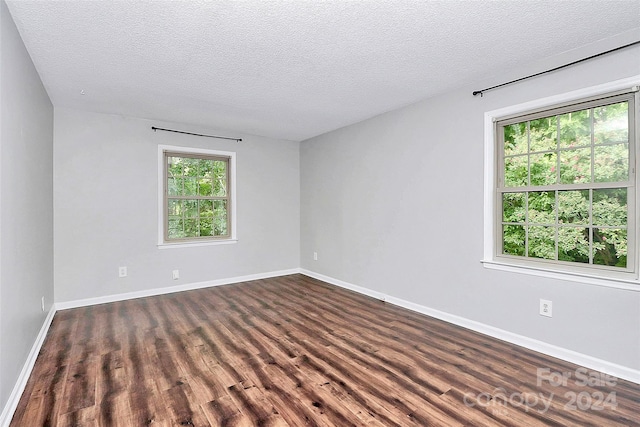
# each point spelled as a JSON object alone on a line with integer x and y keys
{"x": 197, "y": 201}
{"x": 566, "y": 186}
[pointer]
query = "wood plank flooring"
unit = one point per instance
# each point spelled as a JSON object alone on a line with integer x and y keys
{"x": 296, "y": 351}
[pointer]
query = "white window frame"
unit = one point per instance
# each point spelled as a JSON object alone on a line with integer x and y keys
{"x": 162, "y": 208}
{"x": 621, "y": 280}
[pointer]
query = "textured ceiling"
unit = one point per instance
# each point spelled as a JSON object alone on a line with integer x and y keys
{"x": 291, "y": 69}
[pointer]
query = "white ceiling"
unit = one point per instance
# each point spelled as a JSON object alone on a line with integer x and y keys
{"x": 291, "y": 69}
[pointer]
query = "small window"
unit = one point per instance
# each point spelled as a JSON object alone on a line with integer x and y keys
{"x": 566, "y": 186}
{"x": 197, "y": 196}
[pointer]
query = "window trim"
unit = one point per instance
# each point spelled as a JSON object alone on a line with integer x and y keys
{"x": 490, "y": 259}
{"x": 162, "y": 201}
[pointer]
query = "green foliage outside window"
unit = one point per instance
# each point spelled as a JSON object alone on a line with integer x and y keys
{"x": 197, "y": 196}
{"x": 586, "y": 224}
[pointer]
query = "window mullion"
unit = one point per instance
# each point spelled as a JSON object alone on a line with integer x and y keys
{"x": 557, "y": 237}
{"x": 528, "y": 153}
{"x": 592, "y": 180}
{"x": 556, "y": 192}
{"x": 568, "y": 187}
{"x": 591, "y": 227}
{"x": 526, "y": 224}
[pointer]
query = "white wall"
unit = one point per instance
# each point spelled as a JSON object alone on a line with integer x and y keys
{"x": 106, "y": 209}
{"x": 26, "y": 203}
{"x": 395, "y": 204}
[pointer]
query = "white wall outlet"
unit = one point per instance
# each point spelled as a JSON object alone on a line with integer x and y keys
{"x": 42, "y": 303}
{"x": 546, "y": 308}
{"x": 175, "y": 274}
{"x": 122, "y": 272}
{"x": 315, "y": 256}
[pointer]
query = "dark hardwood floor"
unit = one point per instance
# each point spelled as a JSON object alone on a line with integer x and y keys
{"x": 296, "y": 351}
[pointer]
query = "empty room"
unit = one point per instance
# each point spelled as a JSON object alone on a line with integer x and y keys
{"x": 323, "y": 213}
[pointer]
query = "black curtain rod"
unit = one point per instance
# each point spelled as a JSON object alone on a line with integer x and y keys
{"x": 480, "y": 92}
{"x": 196, "y": 134}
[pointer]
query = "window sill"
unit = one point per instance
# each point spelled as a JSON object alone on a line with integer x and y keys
{"x": 609, "y": 282}
{"x": 194, "y": 244}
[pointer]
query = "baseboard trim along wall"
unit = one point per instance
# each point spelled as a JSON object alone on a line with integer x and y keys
{"x": 587, "y": 361}
{"x": 539, "y": 346}
{"x": 171, "y": 289}
{"x": 18, "y": 388}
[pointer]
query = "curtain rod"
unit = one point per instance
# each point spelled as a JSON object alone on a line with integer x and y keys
{"x": 480, "y": 92}
{"x": 196, "y": 134}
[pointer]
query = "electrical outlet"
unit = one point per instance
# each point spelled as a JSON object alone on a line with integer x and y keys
{"x": 176, "y": 274}
{"x": 42, "y": 303}
{"x": 315, "y": 256}
{"x": 122, "y": 272}
{"x": 546, "y": 308}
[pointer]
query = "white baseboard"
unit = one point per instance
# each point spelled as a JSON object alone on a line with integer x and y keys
{"x": 539, "y": 346}
{"x": 587, "y": 361}
{"x": 171, "y": 289}
{"x": 18, "y": 388}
